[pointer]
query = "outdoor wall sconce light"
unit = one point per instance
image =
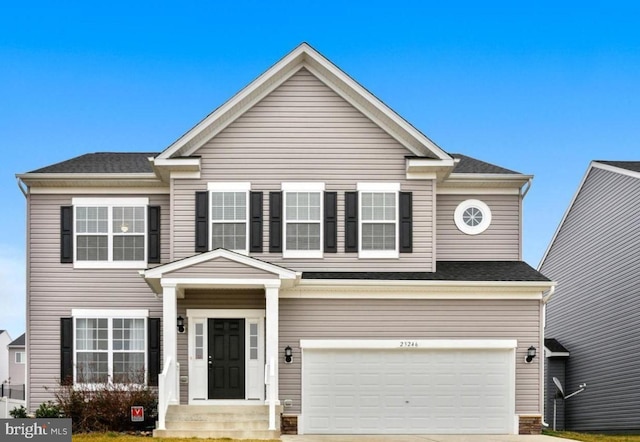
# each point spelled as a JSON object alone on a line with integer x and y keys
{"x": 180, "y": 324}
{"x": 288, "y": 355}
{"x": 531, "y": 353}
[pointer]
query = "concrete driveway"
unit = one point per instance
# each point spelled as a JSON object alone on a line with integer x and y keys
{"x": 425, "y": 438}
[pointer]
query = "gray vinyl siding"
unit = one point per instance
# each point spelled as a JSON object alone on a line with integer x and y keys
{"x": 500, "y": 242}
{"x": 303, "y": 131}
{"x": 595, "y": 311}
{"x": 412, "y": 319}
{"x": 211, "y": 299}
{"x": 55, "y": 289}
{"x": 220, "y": 268}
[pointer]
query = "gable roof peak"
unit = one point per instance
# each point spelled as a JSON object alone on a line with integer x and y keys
{"x": 305, "y": 56}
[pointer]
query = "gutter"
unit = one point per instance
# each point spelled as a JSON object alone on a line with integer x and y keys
{"x": 22, "y": 186}
{"x": 549, "y": 295}
{"x": 527, "y": 187}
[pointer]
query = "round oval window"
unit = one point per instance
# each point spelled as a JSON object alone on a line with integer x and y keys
{"x": 472, "y": 217}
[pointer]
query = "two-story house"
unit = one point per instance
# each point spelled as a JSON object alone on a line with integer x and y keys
{"x": 302, "y": 249}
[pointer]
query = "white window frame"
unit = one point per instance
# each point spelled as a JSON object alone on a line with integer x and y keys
{"x": 109, "y": 203}
{"x": 379, "y": 188}
{"x": 236, "y": 187}
{"x": 294, "y": 187}
{"x": 110, "y": 315}
{"x": 22, "y": 359}
{"x": 464, "y": 227}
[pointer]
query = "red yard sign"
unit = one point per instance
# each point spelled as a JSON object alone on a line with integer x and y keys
{"x": 137, "y": 414}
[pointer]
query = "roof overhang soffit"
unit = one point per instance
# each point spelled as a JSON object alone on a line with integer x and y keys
{"x": 305, "y": 57}
{"x": 90, "y": 179}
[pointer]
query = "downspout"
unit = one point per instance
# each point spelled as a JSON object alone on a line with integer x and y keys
{"x": 543, "y": 320}
{"x": 526, "y": 188}
{"x": 27, "y": 387}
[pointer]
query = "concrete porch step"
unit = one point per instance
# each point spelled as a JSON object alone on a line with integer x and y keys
{"x": 218, "y": 421}
{"x": 219, "y": 434}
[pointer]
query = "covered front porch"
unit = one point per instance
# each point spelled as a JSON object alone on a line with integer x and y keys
{"x": 220, "y": 334}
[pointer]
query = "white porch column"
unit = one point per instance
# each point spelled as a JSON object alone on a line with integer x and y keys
{"x": 169, "y": 335}
{"x": 272, "y": 292}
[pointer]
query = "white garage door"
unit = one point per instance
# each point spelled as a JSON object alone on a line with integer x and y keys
{"x": 408, "y": 391}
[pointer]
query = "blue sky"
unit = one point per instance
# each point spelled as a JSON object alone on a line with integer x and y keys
{"x": 536, "y": 87}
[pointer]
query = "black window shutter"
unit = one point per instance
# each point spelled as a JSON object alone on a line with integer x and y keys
{"x": 202, "y": 221}
{"x": 153, "y": 350}
{"x": 153, "y": 234}
{"x": 275, "y": 222}
{"x": 331, "y": 222}
{"x": 351, "y": 221}
{"x": 406, "y": 222}
{"x": 66, "y": 234}
{"x": 255, "y": 220}
{"x": 66, "y": 351}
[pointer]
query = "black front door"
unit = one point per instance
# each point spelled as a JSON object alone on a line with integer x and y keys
{"x": 226, "y": 358}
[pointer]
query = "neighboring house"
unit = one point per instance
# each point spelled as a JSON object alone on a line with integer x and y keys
{"x": 305, "y": 249}
{"x": 17, "y": 361}
{"x": 5, "y": 339}
{"x": 595, "y": 311}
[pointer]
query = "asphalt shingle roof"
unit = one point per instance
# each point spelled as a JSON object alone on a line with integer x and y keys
{"x": 448, "y": 271}
{"x": 18, "y": 342}
{"x": 554, "y": 346}
{"x": 103, "y": 162}
{"x": 629, "y": 165}
{"x": 472, "y": 165}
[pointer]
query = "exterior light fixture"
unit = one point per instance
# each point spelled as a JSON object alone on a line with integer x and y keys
{"x": 180, "y": 324}
{"x": 288, "y": 355}
{"x": 531, "y": 353}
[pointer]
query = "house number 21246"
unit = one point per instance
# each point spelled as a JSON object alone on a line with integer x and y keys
{"x": 408, "y": 344}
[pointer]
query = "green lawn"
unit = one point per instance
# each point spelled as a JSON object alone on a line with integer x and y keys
{"x": 588, "y": 437}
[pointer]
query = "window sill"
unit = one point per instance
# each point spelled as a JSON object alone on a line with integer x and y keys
{"x": 138, "y": 265}
{"x": 378, "y": 254}
{"x": 316, "y": 254}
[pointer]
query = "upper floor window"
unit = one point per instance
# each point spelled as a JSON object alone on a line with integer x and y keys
{"x": 303, "y": 214}
{"x": 378, "y": 220}
{"x": 110, "y": 232}
{"x": 229, "y": 216}
{"x": 20, "y": 357}
{"x": 472, "y": 217}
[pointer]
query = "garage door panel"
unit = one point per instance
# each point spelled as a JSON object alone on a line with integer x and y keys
{"x": 407, "y": 391}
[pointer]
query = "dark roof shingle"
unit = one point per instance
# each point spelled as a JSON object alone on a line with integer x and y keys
{"x": 554, "y": 346}
{"x": 18, "y": 342}
{"x": 103, "y": 162}
{"x": 472, "y": 165}
{"x": 448, "y": 271}
{"x": 633, "y": 166}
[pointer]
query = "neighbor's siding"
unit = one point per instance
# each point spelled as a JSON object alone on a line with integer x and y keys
{"x": 554, "y": 367}
{"x": 303, "y": 131}
{"x": 595, "y": 311}
{"x": 412, "y": 319}
{"x": 57, "y": 288}
{"x": 500, "y": 242}
{"x": 211, "y": 299}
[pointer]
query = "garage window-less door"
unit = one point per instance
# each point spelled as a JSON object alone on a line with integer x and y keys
{"x": 408, "y": 391}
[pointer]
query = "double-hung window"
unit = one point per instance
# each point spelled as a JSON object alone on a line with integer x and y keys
{"x": 20, "y": 357}
{"x": 229, "y": 216}
{"x": 110, "y": 346}
{"x": 303, "y": 214}
{"x": 378, "y": 220}
{"x": 110, "y": 232}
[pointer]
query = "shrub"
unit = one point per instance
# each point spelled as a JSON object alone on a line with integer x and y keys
{"x": 19, "y": 412}
{"x": 106, "y": 407}
{"x": 48, "y": 409}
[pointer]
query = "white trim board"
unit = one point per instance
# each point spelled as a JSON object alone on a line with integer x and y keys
{"x": 409, "y": 344}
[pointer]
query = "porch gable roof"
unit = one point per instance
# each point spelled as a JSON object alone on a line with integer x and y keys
{"x": 203, "y": 266}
